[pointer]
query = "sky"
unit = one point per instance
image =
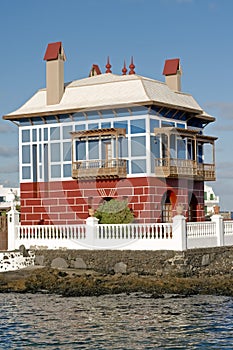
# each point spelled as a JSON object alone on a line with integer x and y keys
{"x": 199, "y": 32}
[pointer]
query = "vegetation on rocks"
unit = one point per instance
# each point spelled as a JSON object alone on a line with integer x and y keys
{"x": 90, "y": 283}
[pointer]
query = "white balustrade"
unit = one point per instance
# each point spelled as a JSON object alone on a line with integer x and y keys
{"x": 200, "y": 229}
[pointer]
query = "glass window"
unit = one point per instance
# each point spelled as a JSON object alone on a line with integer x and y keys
{"x": 26, "y": 158}
{"x": 93, "y": 149}
{"x": 25, "y": 135}
{"x": 155, "y": 146}
{"x": 93, "y": 126}
{"x": 138, "y": 146}
{"x": 67, "y": 170}
{"x": 66, "y": 151}
{"x": 179, "y": 125}
{"x": 66, "y": 132}
{"x": 105, "y": 125}
{"x": 34, "y": 135}
{"x": 165, "y": 123}
{"x": 181, "y": 149}
{"x": 39, "y": 134}
{"x": 121, "y": 124}
{"x": 80, "y": 127}
{"x": 137, "y": 126}
{"x": 138, "y": 166}
{"x": 154, "y": 123}
{"x": 55, "y": 154}
{"x": 26, "y": 172}
{"x": 123, "y": 147}
{"x": 80, "y": 150}
{"x": 45, "y": 134}
{"x": 55, "y": 133}
{"x": 55, "y": 171}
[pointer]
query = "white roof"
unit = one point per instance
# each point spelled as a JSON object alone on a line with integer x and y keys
{"x": 108, "y": 91}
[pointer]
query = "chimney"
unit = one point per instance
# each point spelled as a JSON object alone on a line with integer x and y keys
{"x": 54, "y": 57}
{"x": 172, "y": 72}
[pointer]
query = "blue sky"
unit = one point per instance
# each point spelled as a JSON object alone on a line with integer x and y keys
{"x": 199, "y": 32}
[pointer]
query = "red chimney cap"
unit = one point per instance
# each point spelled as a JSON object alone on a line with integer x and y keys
{"x": 52, "y": 51}
{"x": 171, "y": 66}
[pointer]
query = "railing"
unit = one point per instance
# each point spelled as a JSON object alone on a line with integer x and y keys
{"x": 201, "y": 229}
{"x": 178, "y": 235}
{"x": 135, "y": 231}
{"x": 99, "y": 168}
{"x": 50, "y": 232}
{"x": 170, "y": 167}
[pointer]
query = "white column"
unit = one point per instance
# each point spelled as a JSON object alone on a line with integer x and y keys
{"x": 218, "y": 219}
{"x": 179, "y": 235}
{"x": 12, "y": 221}
{"x": 91, "y": 230}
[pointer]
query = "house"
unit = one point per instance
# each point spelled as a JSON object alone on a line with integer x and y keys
{"x": 210, "y": 199}
{"x": 111, "y": 136}
{"x": 7, "y": 195}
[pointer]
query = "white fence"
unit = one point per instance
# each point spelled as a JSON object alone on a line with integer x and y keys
{"x": 178, "y": 235}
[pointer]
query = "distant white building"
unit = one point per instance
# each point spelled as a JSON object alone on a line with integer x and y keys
{"x": 210, "y": 200}
{"x": 7, "y": 194}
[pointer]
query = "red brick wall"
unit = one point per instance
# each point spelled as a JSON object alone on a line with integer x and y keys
{"x": 66, "y": 202}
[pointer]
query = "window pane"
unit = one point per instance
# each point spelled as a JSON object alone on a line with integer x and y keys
{"x": 26, "y": 172}
{"x": 80, "y": 127}
{"x": 93, "y": 126}
{"x": 138, "y": 166}
{"x": 34, "y": 135}
{"x": 137, "y": 126}
{"x": 121, "y": 124}
{"x": 25, "y": 135}
{"x": 26, "y": 154}
{"x": 55, "y": 155}
{"x": 138, "y": 146}
{"x": 55, "y": 133}
{"x": 105, "y": 125}
{"x": 80, "y": 150}
{"x": 66, "y": 132}
{"x": 155, "y": 146}
{"x": 123, "y": 147}
{"x": 154, "y": 123}
{"x": 166, "y": 123}
{"x": 55, "y": 171}
{"x": 67, "y": 170}
{"x": 93, "y": 149}
{"x": 45, "y": 134}
{"x": 181, "y": 149}
{"x": 67, "y": 151}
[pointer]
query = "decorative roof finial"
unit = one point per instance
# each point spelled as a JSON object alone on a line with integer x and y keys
{"x": 124, "y": 69}
{"x": 108, "y": 66}
{"x": 131, "y": 67}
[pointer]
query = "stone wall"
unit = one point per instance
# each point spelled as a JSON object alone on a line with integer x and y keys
{"x": 208, "y": 261}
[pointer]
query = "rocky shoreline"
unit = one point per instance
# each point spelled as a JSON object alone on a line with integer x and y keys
{"x": 80, "y": 282}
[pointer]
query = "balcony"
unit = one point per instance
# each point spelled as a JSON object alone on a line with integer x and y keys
{"x": 174, "y": 168}
{"x": 99, "y": 169}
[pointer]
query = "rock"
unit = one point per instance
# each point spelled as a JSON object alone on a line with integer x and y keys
{"x": 39, "y": 260}
{"x": 59, "y": 263}
{"x": 205, "y": 260}
{"x": 23, "y": 251}
{"x": 120, "y": 267}
{"x": 80, "y": 264}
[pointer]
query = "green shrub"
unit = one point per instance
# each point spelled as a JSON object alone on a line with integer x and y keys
{"x": 114, "y": 212}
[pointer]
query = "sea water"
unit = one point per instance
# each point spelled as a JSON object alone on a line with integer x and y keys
{"x": 135, "y": 321}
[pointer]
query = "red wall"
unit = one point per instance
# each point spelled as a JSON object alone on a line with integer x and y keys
{"x": 67, "y": 202}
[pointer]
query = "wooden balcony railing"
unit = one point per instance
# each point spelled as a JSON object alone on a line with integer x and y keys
{"x": 100, "y": 169}
{"x": 175, "y": 168}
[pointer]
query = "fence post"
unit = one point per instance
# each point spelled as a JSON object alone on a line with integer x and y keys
{"x": 12, "y": 222}
{"x": 91, "y": 230}
{"x": 218, "y": 219}
{"x": 179, "y": 234}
